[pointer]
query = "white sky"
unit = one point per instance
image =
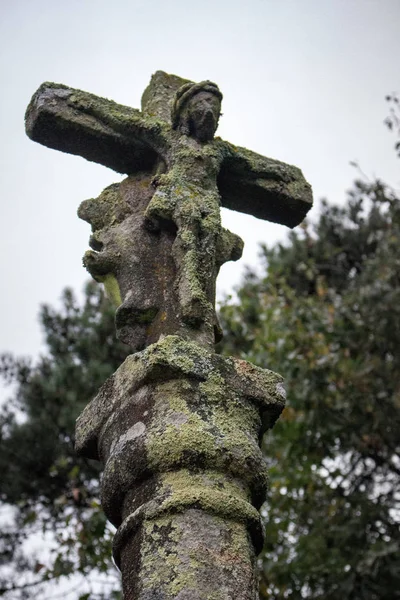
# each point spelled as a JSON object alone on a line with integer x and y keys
{"x": 303, "y": 81}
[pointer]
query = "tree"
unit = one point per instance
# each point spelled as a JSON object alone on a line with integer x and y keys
{"x": 45, "y": 487}
{"x": 327, "y": 316}
{"x": 392, "y": 121}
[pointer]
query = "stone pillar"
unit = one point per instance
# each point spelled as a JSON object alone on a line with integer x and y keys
{"x": 178, "y": 428}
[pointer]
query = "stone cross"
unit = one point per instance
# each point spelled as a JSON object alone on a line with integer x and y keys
{"x": 179, "y": 175}
{"x": 177, "y": 426}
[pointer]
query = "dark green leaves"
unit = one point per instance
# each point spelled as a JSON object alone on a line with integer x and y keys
{"x": 52, "y": 491}
{"x": 327, "y": 317}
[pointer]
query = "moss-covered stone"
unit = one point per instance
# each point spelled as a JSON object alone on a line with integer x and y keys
{"x": 112, "y": 288}
{"x": 177, "y": 426}
{"x": 189, "y": 173}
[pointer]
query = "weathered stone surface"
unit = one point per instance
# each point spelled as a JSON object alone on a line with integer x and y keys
{"x": 174, "y": 358}
{"x": 192, "y": 555}
{"x": 184, "y": 173}
{"x": 158, "y": 97}
{"x": 178, "y": 429}
{"x": 138, "y": 266}
{"x": 100, "y": 130}
{"x": 177, "y": 426}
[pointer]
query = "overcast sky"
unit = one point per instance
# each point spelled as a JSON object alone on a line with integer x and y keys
{"x": 303, "y": 81}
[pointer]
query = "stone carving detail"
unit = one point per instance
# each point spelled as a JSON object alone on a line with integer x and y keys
{"x": 177, "y": 426}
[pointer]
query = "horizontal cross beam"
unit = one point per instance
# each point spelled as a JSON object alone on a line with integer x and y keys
{"x": 95, "y": 128}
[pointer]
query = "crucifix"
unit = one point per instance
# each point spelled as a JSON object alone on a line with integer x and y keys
{"x": 177, "y": 425}
{"x": 179, "y": 175}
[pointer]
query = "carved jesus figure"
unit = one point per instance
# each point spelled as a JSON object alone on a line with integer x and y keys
{"x": 187, "y": 196}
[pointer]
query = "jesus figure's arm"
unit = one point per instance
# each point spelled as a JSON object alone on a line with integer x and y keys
{"x": 263, "y": 187}
{"x": 98, "y": 129}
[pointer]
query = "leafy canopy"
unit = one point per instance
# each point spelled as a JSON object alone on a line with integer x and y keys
{"x": 50, "y": 489}
{"x": 327, "y": 316}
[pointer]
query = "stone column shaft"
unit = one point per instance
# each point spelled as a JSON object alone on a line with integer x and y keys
{"x": 178, "y": 429}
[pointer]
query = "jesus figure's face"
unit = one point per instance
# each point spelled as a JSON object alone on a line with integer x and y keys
{"x": 204, "y": 111}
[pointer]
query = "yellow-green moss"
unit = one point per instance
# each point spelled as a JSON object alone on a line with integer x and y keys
{"x": 112, "y": 288}
{"x": 106, "y": 210}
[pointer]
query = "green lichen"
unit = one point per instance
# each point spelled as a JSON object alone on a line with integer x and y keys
{"x": 232, "y": 392}
{"x": 112, "y": 288}
{"x": 106, "y": 210}
{"x": 171, "y": 574}
{"x": 111, "y": 113}
{"x": 170, "y": 559}
{"x": 178, "y": 353}
{"x": 157, "y": 97}
{"x": 174, "y": 561}
{"x": 214, "y": 388}
{"x": 220, "y": 435}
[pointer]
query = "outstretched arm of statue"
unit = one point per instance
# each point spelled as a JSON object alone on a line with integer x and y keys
{"x": 263, "y": 187}
{"x": 98, "y": 129}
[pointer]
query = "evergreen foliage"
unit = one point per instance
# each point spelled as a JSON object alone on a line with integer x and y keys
{"x": 46, "y": 490}
{"x": 327, "y": 316}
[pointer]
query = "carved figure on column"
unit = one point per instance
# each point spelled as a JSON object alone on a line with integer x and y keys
{"x": 183, "y": 173}
{"x": 177, "y": 426}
